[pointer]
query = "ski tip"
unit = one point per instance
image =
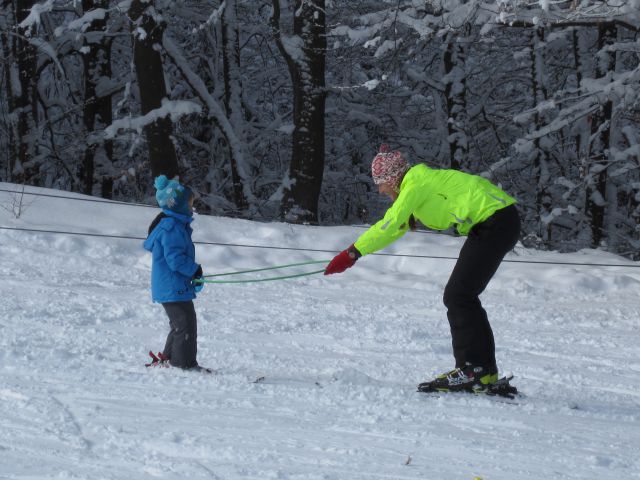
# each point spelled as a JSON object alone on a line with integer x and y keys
{"x": 425, "y": 388}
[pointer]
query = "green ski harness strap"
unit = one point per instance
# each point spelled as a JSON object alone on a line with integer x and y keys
{"x": 268, "y": 279}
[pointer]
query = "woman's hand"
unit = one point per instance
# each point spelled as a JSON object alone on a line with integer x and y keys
{"x": 345, "y": 259}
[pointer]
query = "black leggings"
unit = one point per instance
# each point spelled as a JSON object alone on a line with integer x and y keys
{"x": 479, "y": 259}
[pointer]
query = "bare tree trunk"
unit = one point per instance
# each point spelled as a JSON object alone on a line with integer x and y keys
{"x": 541, "y": 159}
{"x": 233, "y": 90}
{"x": 455, "y": 93}
{"x": 597, "y": 176}
{"x": 307, "y": 69}
{"x": 98, "y": 112}
{"x": 578, "y": 65}
{"x": 147, "y": 39}
{"x": 581, "y": 58}
{"x": 22, "y": 104}
{"x": 8, "y": 145}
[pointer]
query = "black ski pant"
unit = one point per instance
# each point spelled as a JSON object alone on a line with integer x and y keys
{"x": 480, "y": 256}
{"x": 182, "y": 342}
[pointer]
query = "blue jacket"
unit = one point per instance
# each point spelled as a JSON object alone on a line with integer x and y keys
{"x": 173, "y": 256}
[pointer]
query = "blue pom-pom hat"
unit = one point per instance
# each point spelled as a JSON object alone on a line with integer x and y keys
{"x": 170, "y": 194}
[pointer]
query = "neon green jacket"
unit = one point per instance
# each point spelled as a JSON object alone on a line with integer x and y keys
{"x": 439, "y": 199}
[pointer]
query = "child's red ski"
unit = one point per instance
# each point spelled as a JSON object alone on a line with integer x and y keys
{"x": 159, "y": 360}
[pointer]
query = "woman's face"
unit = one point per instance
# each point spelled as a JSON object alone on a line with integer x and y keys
{"x": 389, "y": 189}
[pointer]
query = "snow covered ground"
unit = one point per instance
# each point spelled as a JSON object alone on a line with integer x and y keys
{"x": 341, "y": 356}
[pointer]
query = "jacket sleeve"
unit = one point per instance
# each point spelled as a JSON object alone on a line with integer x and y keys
{"x": 393, "y": 226}
{"x": 176, "y": 253}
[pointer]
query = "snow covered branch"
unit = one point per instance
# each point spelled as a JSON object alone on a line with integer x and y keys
{"x": 215, "y": 111}
{"x": 175, "y": 109}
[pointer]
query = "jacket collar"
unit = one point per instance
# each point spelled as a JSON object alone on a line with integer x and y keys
{"x": 186, "y": 219}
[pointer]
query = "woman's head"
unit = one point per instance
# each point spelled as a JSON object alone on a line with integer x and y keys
{"x": 170, "y": 194}
{"x": 387, "y": 169}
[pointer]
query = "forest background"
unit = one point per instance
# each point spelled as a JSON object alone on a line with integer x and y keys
{"x": 273, "y": 110}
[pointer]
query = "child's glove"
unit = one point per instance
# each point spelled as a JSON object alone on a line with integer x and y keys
{"x": 345, "y": 259}
{"x": 198, "y": 273}
{"x": 198, "y": 285}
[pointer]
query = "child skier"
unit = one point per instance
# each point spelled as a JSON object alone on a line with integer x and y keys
{"x": 440, "y": 199}
{"x": 174, "y": 270}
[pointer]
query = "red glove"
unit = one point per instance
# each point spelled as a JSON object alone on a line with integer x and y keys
{"x": 345, "y": 259}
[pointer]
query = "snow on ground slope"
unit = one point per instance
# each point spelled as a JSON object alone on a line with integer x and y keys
{"x": 341, "y": 357}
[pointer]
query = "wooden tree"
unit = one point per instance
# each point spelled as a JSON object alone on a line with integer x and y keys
{"x": 98, "y": 112}
{"x": 304, "y": 53}
{"x": 596, "y": 175}
{"x": 7, "y": 146}
{"x": 541, "y": 158}
{"x": 455, "y": 95}
{"x": 22, "y": 95}
{"x": 147, "y": 39}
{"x": 233, "y": 90}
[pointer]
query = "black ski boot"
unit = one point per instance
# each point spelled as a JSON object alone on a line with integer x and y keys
{"x": 466, "y": 379}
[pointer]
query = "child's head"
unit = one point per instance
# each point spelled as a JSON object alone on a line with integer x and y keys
{"x": 173, "y": 196}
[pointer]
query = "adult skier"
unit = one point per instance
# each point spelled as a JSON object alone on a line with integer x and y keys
{"x": 441, "y": 198}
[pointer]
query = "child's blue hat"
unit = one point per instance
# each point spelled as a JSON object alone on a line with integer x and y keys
{"x": 173, "y": 196}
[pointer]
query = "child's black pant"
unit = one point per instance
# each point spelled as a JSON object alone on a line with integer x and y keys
{"x": 182, "y": 342}
{"x": 479, "y": 259}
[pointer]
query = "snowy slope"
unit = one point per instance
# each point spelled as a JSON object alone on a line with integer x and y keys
{"x": 341, "y": 356}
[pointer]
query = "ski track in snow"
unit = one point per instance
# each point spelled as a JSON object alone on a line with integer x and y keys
{"x": 341, "y": 357}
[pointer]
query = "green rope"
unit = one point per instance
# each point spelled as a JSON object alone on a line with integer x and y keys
{"x": 277, "y": 267}
{"x": 255, "y": 280}
{"x": 269, "y": 279}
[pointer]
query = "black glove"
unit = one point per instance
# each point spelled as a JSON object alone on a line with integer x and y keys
{"x": 198, "y": 273}
{"x": 198, "y": 286}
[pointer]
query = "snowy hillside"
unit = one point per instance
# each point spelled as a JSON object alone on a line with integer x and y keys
{"x": 341, "y": 356}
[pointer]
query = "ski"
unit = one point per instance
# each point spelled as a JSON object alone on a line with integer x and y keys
{"x": 157, "y": 360}
{"x": 501, "y": 388}
{"x": 162, "y": 361}
{"x": 201, "y": 369}
{"x": 265, "y": 380}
